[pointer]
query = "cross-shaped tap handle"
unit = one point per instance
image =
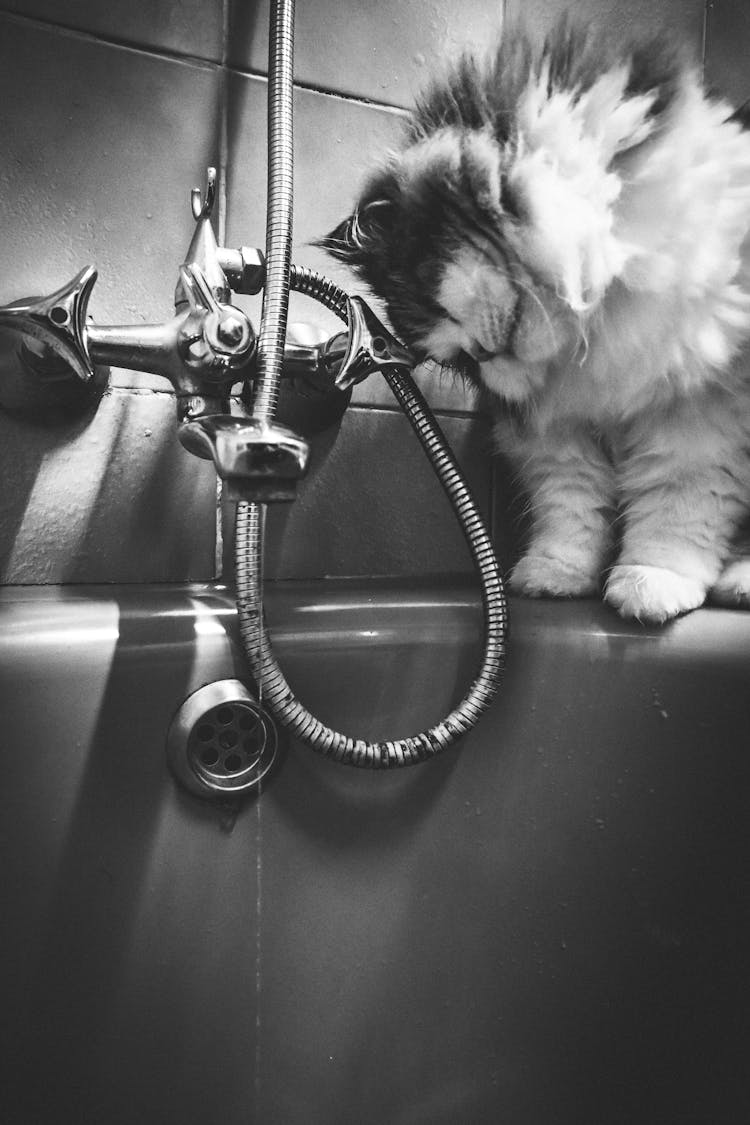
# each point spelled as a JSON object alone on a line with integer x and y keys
{"x": 58, "y": 321}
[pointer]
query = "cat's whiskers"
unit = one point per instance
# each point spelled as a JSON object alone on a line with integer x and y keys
{"x": 538, "y": 301}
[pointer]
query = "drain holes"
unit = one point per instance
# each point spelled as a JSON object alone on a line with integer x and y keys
{"x": 230, "y": 741}
{"x": 221, "y": 742}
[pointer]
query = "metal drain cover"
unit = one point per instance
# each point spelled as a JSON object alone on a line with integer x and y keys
{"x": 221, "y": 742}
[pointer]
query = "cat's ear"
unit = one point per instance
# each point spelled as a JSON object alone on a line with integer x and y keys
{"x": 359, "y": 236}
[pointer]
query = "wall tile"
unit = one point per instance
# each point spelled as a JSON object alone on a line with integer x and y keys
{"x": 728, "y": 48}
{"x": 371, "y": 503}
{"x": 112, "y": 499}
{"x": 336, "y": 143}
{"x": 621, "y": 18}
{"x": 341, "y": 46}
{"x": 381, "y": 53}
{"x": 185, "y": 27}
{"x": 96, "y": 161}
{"x": 96, "y": 166}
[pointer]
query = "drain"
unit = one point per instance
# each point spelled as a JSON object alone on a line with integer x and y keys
{"x": 221, "y": 743}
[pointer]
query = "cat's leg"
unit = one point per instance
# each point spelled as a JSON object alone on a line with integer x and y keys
{"x": 733, "y": 585}
{"x": 684, "y": 484}
{"x": 570, "y": 485}
{"x": 732, "y": 588}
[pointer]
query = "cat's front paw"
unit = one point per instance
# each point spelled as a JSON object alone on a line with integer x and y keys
{"x": 537, "y": 576}
{"x": 652, "y": 593}
{"x": 733, "y": 586}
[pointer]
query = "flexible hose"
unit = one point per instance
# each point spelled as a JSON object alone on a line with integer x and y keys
{"x": 279, "y": 209}
{"x": 280, "y": 276}
{"x": 277, "y": 695}
{"x": 279, "y": 227}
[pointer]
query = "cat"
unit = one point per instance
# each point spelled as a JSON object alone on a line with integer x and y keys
{"x": 566, "y": 224}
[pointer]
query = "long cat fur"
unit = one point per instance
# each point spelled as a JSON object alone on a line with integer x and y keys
{"x": 568, "y": 224}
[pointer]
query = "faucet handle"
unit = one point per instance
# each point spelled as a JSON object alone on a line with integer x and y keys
{"x": 58, "y": 321}
{"x": 225, "y": 329}
{"x": 370, "y": 346}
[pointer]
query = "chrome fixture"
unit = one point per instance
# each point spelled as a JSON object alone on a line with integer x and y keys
{"x": 221, "y": 743}
{"x": 206, "y": 347}
{"x": 203, "y": 350}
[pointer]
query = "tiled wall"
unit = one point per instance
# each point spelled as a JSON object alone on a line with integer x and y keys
{"x": 109, "y": 111}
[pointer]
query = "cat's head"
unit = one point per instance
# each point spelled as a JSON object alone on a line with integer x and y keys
{"x": 488, "y": 250}
{"x": 442, "y": 235}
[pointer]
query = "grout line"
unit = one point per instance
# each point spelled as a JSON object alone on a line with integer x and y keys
{"x": 122, "y": 44}
{"x": 186, "y": 59}
{"x": 383, "y": 408}
{"x": 324, "y": 91}
{"x": 223, "y": 128}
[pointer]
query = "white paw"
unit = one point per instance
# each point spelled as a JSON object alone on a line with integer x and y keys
{"x": 540, "y": 575}
{"x": 733, "y": 585}
{"x": 652, "y": 593}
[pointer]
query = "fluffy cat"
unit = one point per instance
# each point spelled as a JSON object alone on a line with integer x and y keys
{"x": 567, "y": 225}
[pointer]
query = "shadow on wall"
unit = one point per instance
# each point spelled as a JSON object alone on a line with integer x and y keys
{"x": 145, "y": 519}
{"x": 105, "y": 498}
{"x": 40, "y": 520}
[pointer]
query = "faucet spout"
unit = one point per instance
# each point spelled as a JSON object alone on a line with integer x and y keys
{"x": 258, "y": 461}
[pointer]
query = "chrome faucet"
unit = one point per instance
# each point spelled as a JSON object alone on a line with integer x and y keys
{"x": 206, "y": 347}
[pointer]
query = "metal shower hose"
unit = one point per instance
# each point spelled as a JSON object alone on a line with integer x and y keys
{"x": 280, "y": 277}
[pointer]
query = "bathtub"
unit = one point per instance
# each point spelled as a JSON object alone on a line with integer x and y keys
{"x": 549, "y": 924}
